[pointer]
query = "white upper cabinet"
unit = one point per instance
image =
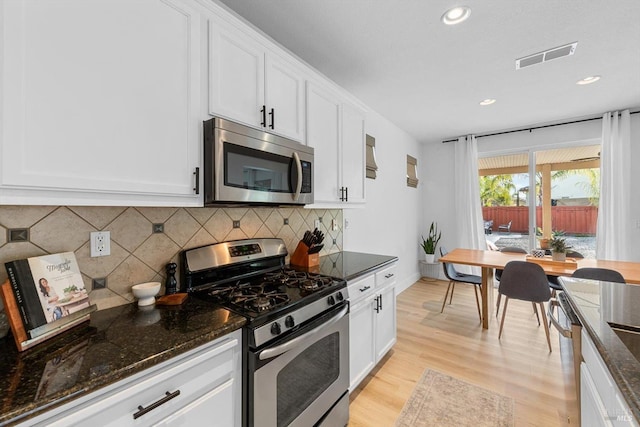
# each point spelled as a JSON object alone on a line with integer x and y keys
{"x": 335, "y": 128}
{"x": 323, "y": 134}
{"x": 101, "y": 102}
{"x": 251, "y": 84}
{"x": 353, "y": 153}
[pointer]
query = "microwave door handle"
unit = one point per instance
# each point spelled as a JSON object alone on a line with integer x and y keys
{"x": 283, "y": 348}
{"x": 296, "y": 159}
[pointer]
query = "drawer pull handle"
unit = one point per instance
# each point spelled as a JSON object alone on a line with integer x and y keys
{"x": 386, "y": 276}
{"x": 142, "y": 410}
{"x": 365, "y": 288}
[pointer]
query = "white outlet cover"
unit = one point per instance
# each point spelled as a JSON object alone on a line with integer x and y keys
{"x": 100, "y": 242}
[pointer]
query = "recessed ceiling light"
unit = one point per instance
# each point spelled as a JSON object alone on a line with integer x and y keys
{"x": 487, "y": 101}
{"x": 456, "y": 15}
{"x": 588, "y": 80}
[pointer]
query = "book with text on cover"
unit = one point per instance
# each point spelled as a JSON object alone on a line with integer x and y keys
{"x": 47, "y": 288}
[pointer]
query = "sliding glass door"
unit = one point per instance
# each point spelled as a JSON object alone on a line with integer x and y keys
{"x": 532, "y": 195}
{"x": 504, "y": 188}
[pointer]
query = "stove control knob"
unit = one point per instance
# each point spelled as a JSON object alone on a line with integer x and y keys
{"x": 275, "y": 328}
{"x": 289, "y": 322}
{"x": 340, "y": 296}
{"x": 331, "y": 300}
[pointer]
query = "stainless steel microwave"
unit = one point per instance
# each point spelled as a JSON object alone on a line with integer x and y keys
{"x": 243, "y": 165}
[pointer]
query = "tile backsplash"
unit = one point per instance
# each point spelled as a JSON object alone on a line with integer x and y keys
{"x": 139, "y": 252}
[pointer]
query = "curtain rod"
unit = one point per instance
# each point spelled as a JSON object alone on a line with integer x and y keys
{"x": 531, "y": 128}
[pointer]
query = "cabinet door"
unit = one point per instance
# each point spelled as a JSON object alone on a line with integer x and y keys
{"x": 353, "y": 153}
{"x": 592, "y": 410}
{"x": 361, "y": 341}
{"x": 323, "y": 134}
{"x": 100, "y": 97}
{"x": 284, "y": 98}
{"x": 386, "y": 322}
{"x": 236, "y": 80}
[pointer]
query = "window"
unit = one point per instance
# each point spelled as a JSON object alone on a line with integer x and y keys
{"x": 412, "y": 171}
{"x": 372, "y": 167}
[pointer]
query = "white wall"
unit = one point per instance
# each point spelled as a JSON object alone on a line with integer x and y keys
{"x": 440, "y": 180}
{"x": 389, "y": 224}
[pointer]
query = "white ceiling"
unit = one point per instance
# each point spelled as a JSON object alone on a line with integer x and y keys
{"x": 428, "y": 78}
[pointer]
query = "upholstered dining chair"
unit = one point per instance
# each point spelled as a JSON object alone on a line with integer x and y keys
{"x": 603, "y": 274}
{"x": 454, "y": 276}
{"x": 525, "y": 281}
{"x": 498, "y": 273}
{"x": 553, "y": 280}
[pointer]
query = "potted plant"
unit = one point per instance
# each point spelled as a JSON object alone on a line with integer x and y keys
{"x": 559, "y": 248}
{"x": 429, "y": 244}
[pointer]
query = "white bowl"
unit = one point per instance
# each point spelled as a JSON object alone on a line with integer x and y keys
{"x": 146, "y": 292}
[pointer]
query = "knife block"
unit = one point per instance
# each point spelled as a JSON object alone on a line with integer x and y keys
{"x": 302, "y": 258}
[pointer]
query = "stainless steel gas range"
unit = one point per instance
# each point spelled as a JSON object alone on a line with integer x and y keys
{"x": 296, "y": 341}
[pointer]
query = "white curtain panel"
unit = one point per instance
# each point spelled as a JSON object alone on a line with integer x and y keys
{"x": 614, "y": 214}
{"x": 467, "y": 195}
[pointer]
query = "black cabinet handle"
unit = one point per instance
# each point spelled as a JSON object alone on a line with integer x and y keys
{"x": 273, "y": 118}
{"x": 365, "y": 288}
{"x": 380, "y": 302}
{"x": 197, "y": 175}
{"x": 142, "y": 410}
{"x": 263, "y": 123}
{"x": 386, "y": 276}
{"x": 344, "y": 194}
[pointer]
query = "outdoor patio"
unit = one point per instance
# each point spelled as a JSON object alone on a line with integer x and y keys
{"x": 586, "y": 245}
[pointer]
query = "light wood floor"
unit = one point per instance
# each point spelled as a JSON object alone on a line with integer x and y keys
{"x": 519, "y": 365}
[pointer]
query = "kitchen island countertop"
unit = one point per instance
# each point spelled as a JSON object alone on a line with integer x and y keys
{"x": 116, "y": 343}
{"x": 597, "y": 304}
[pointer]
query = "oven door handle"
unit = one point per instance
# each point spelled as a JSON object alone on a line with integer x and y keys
{"x": 283, "y": 348}
{"x": 564, "y": 332}
{"x": 296, "y": 159}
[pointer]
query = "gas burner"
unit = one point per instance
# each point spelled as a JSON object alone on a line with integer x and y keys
{"x": 260, "y": 298}
{"x": 284, "y": 276}
{"x": 309, "y": 285}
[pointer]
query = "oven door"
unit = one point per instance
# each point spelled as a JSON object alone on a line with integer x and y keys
{"x": 250, "y": 166}
{"x": 304, "y": 380}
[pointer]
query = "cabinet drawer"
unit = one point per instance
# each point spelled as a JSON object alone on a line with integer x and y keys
{"x": 361, "y": 288}
{"x": 206, "y": 374}
{"x": 386, "y": 276}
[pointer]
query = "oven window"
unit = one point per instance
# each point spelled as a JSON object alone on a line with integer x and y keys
{"x": 306, "y": 377}
{"x": 255, "y": 169}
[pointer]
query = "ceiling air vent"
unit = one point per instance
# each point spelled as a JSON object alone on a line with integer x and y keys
{"x": 547, "y": 55}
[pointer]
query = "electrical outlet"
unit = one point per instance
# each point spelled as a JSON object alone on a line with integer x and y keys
{"x": 334, "y": 225}
{"x": 100, "y": 243}
{"x": 316, "y": 223}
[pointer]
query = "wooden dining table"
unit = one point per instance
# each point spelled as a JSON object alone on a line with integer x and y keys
{"x": 489, "y": 260}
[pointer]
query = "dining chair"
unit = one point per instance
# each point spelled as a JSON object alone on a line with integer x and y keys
{"x": 525, "y": 281}
{"x": 603, "y": 274}
{"x": 498, "y": 273}
{"x": 553, "y": 280}
{"x": 455, "y": 276}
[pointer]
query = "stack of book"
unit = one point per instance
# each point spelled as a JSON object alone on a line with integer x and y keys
{"x": 43, "y": 297}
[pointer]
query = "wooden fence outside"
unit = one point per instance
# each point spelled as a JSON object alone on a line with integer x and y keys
{"x": 570, "y": 219}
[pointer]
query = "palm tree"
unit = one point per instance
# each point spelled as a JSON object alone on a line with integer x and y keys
{"x": 496, "y": 190}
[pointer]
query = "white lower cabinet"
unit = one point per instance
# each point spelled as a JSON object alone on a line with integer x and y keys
{"x": 199, "y": 388}
{"x": 601, "y": 402}
{"x": 372, "y": 322}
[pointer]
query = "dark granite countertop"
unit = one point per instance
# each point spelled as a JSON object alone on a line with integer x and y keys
{"x": 350, "y": 265}
{"x": 599, "y": 304}
{"x": 114, "y": 344}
